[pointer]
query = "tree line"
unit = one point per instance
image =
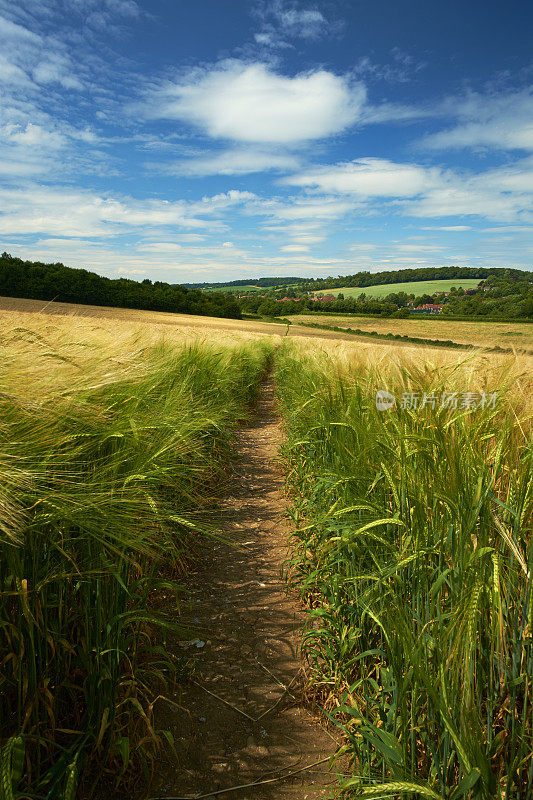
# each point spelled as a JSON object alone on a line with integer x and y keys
{"x": 503, "y": 295}
{"x": 38, "y": 281}
{"x": 365, "y": 278}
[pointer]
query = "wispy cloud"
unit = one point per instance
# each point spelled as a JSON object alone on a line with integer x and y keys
{"x": 63, "y": 211}
{"x": 281, "y": 21}
{"x": 94, "y": 15}
{"x": 504, "y": 193}
{"x": 230, "y": 162}
{"x": 400, "y": 68}
{"x": 368, "y": 177}
{"x": 501, "y": 121}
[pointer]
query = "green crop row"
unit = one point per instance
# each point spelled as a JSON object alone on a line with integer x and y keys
{"x": 413, "y": 553}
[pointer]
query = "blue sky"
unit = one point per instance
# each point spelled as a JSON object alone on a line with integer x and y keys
{"x": 217, "y": 139}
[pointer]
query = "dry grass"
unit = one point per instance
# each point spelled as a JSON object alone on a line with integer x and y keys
{"x": 192, "y": 328}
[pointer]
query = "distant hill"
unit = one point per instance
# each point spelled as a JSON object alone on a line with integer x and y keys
{"x": 248, "y": 282}
{"x": 37, "y": 281}
{"x": 363, "y": 279}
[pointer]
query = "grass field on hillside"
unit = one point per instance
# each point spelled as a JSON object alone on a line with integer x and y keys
{"x": 482, "y": 334}
{"x": 416, "y": 288}
{"x": 245, "y": 287}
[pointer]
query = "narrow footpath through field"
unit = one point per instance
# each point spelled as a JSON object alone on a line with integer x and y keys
{"x": 243, "y": 719}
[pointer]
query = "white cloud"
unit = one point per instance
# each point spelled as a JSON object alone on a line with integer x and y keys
{"x": 305, "y": 220}
{"x": 363, "y": 247}
{"x": 307, "y": 209}
{"x": 295, "y": 248}
{"x": 417, "y": 248}
{"x": 29, "y": 59}
{"x": 306, "y": 23}
{"x": 252, "y": 103}
{"x": 34, "y": 136}
{"x": 159, "y": 247}
{"x": 12, "y": 75}
{"x": 400, "y": 67}
{"x": 189, "y": 237}
{"x": 305, "y": 232}
{"x": 504, "y": 193}
{"x": 11, "y": 31}
{"x": 509, "y": 229}
{"x": 368, "y": 177}
{"x": 46, "y": 146}
{"x": 29, "y": 149}
{"x": 500, "y": 121}
{"x": 85, "y": 14}
{"x": 283, "y": 20}
{"x": 446, "y": 228}
{"x": 62, "y": 211}
{"x": 217, "y": 202}
{"x": 232, "y": 162}
{"x": 56, "y": 69}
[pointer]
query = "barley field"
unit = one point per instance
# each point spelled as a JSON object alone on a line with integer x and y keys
{"x": 412, "y": 547}
{"x": 112, "y": 438}
{"x": 478, "y": 333}
{"x": 413, "y": 553}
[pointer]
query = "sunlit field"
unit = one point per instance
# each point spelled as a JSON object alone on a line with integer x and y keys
{"x": 412, "y": 545}
{"x": 112, "y": 438}
{"x": 478, "y": 333}
{"x": 185, "y": 324}
{"x": 414, "y": 287}
{"x": 413, "y": 551}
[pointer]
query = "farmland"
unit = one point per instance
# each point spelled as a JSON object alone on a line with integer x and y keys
{"x": 480, "y": 334}
{"x": 112, "y": 438}
{"x": 245, "y": 287}
{"x": 414, "y": 557}
{"x": 411, "y": 552}
{"x": 180, "y": 325}
{"x": 414, "y": 287}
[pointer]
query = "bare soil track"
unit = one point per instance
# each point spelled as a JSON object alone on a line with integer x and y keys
{"x": 242, "y": 718}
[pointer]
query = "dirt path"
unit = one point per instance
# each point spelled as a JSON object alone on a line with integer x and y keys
{"x": 251, "y": 631}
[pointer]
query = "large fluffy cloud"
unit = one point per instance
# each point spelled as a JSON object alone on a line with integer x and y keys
{"x": 252, "y": 103}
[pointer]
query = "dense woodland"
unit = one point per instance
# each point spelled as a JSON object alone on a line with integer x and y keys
{"x": 38, "y": 281}
{"x": 501, "y": 295}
